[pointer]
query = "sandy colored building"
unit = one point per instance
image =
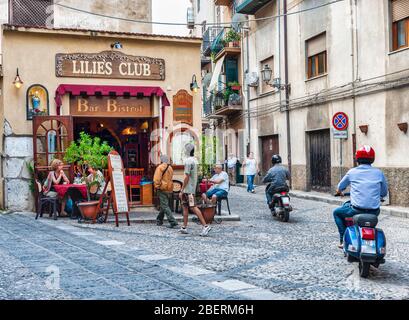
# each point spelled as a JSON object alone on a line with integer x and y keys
{"x": 120, "y": 93}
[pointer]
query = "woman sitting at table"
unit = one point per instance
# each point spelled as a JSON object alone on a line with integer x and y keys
{"x": 56, "y": 177}
{"x": 96, "y": 176}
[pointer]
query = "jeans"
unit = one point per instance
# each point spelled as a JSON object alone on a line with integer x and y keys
{"x": 250, "y": 183}
{"x": 346, "y": 211}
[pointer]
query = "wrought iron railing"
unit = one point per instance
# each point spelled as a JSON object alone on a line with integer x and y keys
{"x": 38, "y": 13}
{"x": 208, "y": 37}
{"x": 219, "y": 99}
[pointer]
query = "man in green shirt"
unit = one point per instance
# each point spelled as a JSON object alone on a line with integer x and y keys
{"x": 188, "y": 191}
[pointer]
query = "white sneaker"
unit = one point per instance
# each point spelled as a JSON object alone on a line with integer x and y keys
{"x": 205, "y": 231}
{"x": 183, "y": 230}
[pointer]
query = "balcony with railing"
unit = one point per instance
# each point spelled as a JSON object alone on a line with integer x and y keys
{"x": 209, "y": 36}
{"x": 227, "y": 42}
{"x": 250, "y": 6}
{"x": 225, "y": 102}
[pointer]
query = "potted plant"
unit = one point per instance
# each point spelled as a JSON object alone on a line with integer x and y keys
{"x": 88, "y": 151}
{"x": 235, "y": 86}
{"x": 232, "y": 39}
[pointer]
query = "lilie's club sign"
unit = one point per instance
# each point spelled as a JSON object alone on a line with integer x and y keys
{"x": 109, "y": 64}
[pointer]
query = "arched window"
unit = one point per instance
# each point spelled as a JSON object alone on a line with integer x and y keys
{"x": 37, "y": 102}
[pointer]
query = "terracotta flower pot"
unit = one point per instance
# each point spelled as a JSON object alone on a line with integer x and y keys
{"x": 208, "y": 212}
{"x": 89, "y": 210}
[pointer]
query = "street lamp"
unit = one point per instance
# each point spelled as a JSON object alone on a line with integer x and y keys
{"x": 266, "y": 75}
{"x": 17, "y": 81}
{"x": 193, "y": 85}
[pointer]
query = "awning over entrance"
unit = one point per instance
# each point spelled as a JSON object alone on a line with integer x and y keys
{"x": 91, "y": 90}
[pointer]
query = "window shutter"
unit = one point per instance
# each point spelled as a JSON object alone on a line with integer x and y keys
{"x": 316, "y": 45}
{"x": 400, "y": 9}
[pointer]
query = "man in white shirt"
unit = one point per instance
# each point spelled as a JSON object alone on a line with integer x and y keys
{"x": 220, "y": 188}
{"x": 231, "y": 168}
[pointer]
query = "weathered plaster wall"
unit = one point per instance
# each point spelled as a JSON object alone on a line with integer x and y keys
{"x": 128, "y": 9}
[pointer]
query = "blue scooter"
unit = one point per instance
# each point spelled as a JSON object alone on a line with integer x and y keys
{"x": 364, "y": 243}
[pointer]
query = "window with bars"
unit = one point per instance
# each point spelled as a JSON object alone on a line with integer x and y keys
{"x": 316, "y": 56}
{"x": 37, "y": 13}
{"x": 400, "y": 24}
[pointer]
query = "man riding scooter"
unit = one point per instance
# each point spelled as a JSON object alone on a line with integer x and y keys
{"x": 368, "y": 186}
{"x": 277, "y": 178}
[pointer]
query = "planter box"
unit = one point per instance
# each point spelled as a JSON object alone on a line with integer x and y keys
{"x": 208, "y": 212}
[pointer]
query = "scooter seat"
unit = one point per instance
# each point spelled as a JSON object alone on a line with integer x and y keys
{"x": 366, "y": 220}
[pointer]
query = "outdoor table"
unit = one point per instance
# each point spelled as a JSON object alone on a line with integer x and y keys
{"x": 62, "y": 189}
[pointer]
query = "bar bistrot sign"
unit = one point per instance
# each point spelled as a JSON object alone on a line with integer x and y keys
{"x": 110, "y": 106}
{"x": 110, "y": 65}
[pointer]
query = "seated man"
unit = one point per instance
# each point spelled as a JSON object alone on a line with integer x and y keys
{"x": 220, "y": 187}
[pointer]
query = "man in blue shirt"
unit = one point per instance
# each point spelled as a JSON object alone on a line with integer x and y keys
{"x": 368, "y": 187}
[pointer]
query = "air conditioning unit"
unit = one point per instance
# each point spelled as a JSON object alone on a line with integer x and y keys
{"x": 252, "y": 79}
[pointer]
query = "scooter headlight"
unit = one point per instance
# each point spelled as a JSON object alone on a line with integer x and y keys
{"x": 352, "y": 248}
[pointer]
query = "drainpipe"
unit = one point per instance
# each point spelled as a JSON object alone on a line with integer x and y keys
{"x": 352, "y": 3}
{"x": 161, "y": 125}
{"x": 287, "y": 91}
{"x": 248, "y": 91}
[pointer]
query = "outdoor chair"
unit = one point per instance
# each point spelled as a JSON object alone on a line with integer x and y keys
{"x": 219, "y": 203}
{"x": 134, "y": 182}
{"x": 44, "y": 201}
{"x": 175, "y": 200}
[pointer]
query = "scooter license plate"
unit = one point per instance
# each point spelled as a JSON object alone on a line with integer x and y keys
{"x": 285, "y": 200}
{"x": 368, "y": 246}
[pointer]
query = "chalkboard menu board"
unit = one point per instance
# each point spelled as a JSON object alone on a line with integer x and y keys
{"x": 117, "y": 178}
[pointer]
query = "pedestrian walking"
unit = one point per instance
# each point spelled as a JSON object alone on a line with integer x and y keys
{"x": 163, "y": 182}
{"x": 231, "y": 168}
{"x": 188, "y": 191}
{"x": 250, "y": 170}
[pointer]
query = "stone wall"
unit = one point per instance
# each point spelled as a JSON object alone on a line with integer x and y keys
{"x": 18, "y": 151}
{"x": 398, "y": 182}
{"x": 299, "y": 177}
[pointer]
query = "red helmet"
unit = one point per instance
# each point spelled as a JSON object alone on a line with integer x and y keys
{"x": 365, "y": 153}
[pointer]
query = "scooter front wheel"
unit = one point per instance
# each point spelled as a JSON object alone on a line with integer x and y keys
{"x": 364, "y": 269}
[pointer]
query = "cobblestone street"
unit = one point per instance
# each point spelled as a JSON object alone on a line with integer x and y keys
{"x": 255, "y": 258}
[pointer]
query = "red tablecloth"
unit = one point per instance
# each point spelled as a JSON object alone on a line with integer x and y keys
{"x": 133, "y": 180}
{"x": 62, "y": 189}
{"x": 204, "y": 186}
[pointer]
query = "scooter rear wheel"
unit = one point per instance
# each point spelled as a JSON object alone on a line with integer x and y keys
{"x": 286, "y": 216}
{"x": 364, "y": 269}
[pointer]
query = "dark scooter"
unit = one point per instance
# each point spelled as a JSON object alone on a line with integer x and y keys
{"x": 363, "y": 242}
{"x": 280, "y": 206}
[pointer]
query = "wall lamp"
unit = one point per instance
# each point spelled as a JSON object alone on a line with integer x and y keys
{"x": 403, "y": 127}
{"x": 194, "y": 86}
{"x": 364, "y": 128}
{"x": 116, "y": 45}
{"x": 17, "y": 81}
{"x": 266, "y": 75}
